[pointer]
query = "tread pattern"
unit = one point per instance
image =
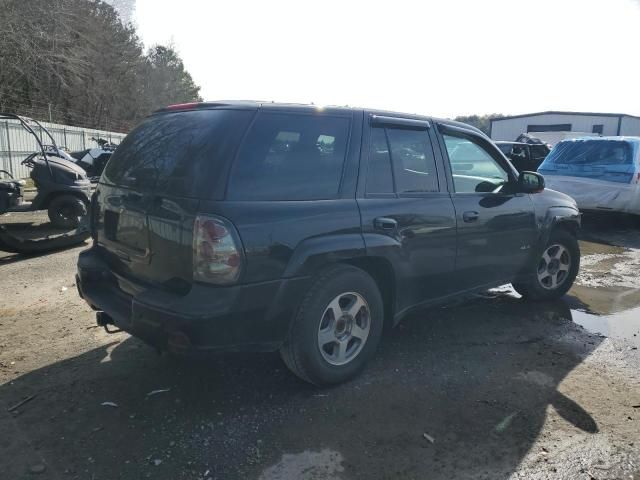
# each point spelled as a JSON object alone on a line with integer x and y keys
{"x": 288, "y": 352}
{"x": 530, "y": 289}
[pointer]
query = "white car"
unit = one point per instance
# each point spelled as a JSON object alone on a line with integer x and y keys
{"x": 600, "y": 173}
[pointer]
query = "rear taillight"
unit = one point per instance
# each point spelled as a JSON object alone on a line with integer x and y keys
{"x": 217, "y": 254}
{"x": 94, "y": 216}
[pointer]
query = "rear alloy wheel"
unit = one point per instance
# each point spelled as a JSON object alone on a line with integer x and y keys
{"x": 344, "y": 328}
{"x": 555, "y": 270}
{"x": 66, "y": 211}
{"x": 337, "y": 327}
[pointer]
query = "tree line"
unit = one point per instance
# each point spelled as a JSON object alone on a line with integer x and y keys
{"x": 481, "y": 122}
{"x": 75, "y": 62}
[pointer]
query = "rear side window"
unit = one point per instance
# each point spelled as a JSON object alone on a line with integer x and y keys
{"x": 403, "y": 155}
{"x": 379, "y": 175}
{"x": 290, "y": 157}
{"x": 180, "y": 154}
{"x": 413, "y": 160}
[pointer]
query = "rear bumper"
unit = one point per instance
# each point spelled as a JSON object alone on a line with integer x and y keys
{"x": 253, "y": 317}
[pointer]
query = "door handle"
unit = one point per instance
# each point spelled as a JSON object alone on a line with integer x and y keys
{"x": 384, "y": 223}
{"x": 470, "y": 216}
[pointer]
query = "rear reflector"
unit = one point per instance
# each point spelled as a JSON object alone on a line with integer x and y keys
{"x": 217, "y": 255}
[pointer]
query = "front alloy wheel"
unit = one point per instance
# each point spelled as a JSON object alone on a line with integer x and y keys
{"x": 554, "y": 267}
{"x": 552, "y": 274}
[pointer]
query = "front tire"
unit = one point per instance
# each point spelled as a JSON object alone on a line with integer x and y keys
{"x": 555, "y": 270}
{"x": 337, "y": 327}
{"x": 66, "y": 211}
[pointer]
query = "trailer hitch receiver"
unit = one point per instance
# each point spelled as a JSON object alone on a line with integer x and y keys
{"x": 104, "y": 320}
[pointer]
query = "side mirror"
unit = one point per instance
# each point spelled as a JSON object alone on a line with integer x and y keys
{"x": 530, "y": 182}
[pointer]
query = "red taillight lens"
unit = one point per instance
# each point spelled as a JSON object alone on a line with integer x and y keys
{"x": 217, "y": 255}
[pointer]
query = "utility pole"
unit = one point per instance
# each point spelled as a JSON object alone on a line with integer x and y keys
{"x": 50, "y": 120}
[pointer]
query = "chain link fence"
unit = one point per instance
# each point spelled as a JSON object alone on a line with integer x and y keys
{"x": 16, "y": 143}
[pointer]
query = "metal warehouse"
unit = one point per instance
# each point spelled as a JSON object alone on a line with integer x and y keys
{"x": 543, "y": 124}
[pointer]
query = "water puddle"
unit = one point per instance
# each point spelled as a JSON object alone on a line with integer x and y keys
{"x": 609, "y": 311}
{"x": 625, "y": 325}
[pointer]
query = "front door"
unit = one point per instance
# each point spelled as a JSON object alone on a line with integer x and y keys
{"x": 407, "y": 218}
{"x": 496, "y": 226}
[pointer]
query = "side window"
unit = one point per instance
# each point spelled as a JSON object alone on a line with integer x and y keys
{"x": 379, "y": 174}
{"x": 290, "y": 157}
{"x": 413, "y": 161}
{"x": 472, "y": 167}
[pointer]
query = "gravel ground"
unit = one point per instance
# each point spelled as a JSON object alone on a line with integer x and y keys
{"x": 489, "y": 388}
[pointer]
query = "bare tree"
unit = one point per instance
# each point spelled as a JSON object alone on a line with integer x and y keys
{"x": 75, "y": 60}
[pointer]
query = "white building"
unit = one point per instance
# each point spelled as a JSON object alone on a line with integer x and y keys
{"x": 554, "y": 126}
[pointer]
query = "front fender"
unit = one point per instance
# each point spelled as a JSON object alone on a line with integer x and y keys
{"x": 554, "y": 217}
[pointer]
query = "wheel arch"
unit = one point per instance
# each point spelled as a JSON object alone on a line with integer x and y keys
{"x": 559, "y": 217}
{"x": 381, "y": 270}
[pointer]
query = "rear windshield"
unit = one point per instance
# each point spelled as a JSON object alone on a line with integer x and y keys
{"x": 290, "y": 157}
{"x": 184, "y": 154}
{"x": 590, "y": 152}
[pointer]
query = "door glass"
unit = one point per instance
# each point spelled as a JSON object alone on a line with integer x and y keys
{"x": 413, "y": 160}
{"x": 379, "y": 176}
{"x": 472, "y": 167}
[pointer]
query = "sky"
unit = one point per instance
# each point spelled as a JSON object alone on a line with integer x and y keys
{"x": 443, "y": 58}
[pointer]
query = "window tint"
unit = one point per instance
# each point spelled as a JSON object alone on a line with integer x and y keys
{"x": 413, "y": 161}
{"x": 290, "y": 157}
{"x": 175, "y": 153}
{"x": 505, "y": 148}
{"x": 591, "y": 152}
{"x": 473, "y": 168}
{"x": 538, "y": 152}
{"x": 379, "y": 175}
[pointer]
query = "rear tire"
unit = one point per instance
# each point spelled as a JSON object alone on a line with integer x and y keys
{"x": 66, "y": 211}
{"x": 337, "y": 327}
{"x": 554, "y": 272}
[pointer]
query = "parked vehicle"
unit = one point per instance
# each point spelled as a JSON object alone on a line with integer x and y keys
{"x": 62, "y": 189}
{"x": 93, "y": 160}
{"x": 600, "y": 173}
{"x": 10, "y": 191}
{"x": 524, "y": 156}
{"x": 240, "y": 225}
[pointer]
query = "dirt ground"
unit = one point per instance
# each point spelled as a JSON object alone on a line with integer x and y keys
{"x": 489, "y": 388}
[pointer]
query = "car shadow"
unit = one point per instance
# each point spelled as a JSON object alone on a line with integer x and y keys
{"x": 611, "y": 228}
{"x": 477, "y": 378}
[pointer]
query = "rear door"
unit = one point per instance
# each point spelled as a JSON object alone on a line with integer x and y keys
{"x": 407, "y": 214}
{"x": 151, "y": 188}
{"x": 496, "y": 227}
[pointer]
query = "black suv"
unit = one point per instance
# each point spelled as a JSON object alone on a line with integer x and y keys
{"x": 236, "y": 225}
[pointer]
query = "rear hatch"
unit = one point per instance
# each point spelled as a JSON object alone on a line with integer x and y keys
{"x": 149, "y": 192}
